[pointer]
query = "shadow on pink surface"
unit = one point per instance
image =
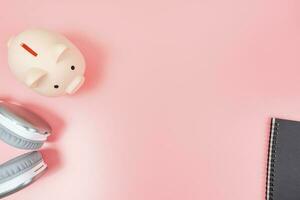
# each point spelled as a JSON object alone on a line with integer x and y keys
{"x": 52, "y": 158}
{"x": 95, "y": 57}
{"x": 50, "y": 155}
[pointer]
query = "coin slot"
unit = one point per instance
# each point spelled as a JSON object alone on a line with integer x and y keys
{"x": 28, "y": 49}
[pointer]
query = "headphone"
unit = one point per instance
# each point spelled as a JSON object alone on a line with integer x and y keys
{"x": 23, "y": 129}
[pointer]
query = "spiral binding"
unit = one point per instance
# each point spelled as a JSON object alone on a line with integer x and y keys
{"x": 272, "y": 159}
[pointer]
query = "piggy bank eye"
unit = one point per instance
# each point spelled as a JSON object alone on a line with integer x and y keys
{"x": 56, "y": 86}
{"x": 72, "y": 67}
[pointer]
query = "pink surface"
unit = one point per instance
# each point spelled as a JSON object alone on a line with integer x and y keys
{"x": 177, "y": 100}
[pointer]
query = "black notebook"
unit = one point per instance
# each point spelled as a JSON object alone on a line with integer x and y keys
{"x": 283, "y": 174}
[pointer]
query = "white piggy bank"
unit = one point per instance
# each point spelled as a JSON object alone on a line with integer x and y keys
{"x": 46, "y": 61}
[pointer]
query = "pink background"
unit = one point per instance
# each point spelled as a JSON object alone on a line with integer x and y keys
{"x": 178, "y": 97}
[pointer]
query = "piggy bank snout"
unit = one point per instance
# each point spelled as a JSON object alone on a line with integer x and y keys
{"x": 75, "y": 84}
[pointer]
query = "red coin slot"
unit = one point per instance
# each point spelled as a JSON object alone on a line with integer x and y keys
{"x": 27, "y": 48}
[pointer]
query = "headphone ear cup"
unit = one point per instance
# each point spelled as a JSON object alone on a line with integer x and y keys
{"x": 20, "y": 171}
{"x": 15, "y": 166}
{"x": 14, "y": 140}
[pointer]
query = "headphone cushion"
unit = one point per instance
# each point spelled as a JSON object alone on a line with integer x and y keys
{"x": 16, "y": 141}
{"x": 19, "y": 165}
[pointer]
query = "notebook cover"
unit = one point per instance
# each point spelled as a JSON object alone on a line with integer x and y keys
{"x": 283, "y": 171}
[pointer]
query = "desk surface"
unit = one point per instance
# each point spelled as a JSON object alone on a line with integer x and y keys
{"x": 178, "y": 97}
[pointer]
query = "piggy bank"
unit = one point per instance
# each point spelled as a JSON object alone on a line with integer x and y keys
{"x": 46, "y": 62}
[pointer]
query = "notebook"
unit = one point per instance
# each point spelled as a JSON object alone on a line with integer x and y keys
{"x": 283, "y": 170}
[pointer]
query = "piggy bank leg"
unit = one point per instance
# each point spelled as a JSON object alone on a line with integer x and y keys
{"x": 33, "y": 76}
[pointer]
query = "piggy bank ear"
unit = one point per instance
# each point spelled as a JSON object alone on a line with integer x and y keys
{"x": 57, "y": 51}
{"x": 10, "y": 41}
{"x": 34, "y": 76}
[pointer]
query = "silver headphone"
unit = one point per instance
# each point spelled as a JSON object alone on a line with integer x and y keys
{"x": 23, "y": 129}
